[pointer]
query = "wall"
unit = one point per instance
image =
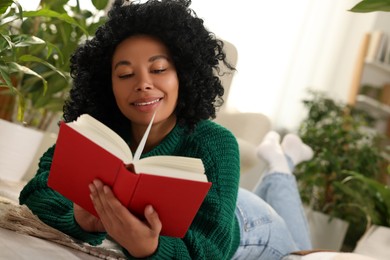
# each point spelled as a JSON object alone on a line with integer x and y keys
{"x": 285, "y": 49}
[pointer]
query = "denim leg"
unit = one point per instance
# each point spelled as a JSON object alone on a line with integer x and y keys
{"x": 281, "y": 192}
{"x": 264, "y": 234}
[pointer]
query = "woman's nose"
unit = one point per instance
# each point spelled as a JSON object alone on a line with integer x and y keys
{"x": 144, "y": 82}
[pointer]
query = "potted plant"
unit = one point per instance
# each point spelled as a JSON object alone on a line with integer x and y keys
{"x": 380, "y": 230}
{"x": 35, "y": 49}
{"x": 374, "y": 242}
{"x": 342, "y": 143}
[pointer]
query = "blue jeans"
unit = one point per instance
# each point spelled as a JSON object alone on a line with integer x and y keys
{"x": 273, "y": 223}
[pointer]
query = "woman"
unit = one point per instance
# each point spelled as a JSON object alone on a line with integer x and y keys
{"x": 159, "y": 56}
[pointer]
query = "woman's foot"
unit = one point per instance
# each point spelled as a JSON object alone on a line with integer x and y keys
{"x": 271, "y": 151}
{"x": 294, "y": 148}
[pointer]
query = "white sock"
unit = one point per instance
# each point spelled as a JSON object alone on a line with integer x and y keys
{"x": 271, "y": 151}
{"x": 294, "y": 148}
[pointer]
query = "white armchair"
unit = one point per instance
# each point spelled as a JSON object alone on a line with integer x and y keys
{"x": 249, "y": 128}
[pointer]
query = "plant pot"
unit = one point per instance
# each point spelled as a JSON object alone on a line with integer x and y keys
{"x": 48, "y": 140}
{"x": 326, "y": 232}
{"x": 375, "y": 243}
{"x": 7, "y": 103}
{"x": 18, "y": 147}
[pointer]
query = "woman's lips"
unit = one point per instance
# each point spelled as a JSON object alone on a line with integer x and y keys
{"x": 147, "y": 103}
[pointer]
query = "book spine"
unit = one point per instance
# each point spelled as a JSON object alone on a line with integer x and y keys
{"x": 125, "y": 185}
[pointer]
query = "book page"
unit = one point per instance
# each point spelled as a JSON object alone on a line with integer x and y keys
{"x": 106, "y": 138}
{"x": 102, "y": 135}
{"x": 172, "y": 166}
{"x": 141, "y": 145}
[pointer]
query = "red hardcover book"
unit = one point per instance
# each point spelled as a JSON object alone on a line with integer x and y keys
{"x": 175, "y": 186}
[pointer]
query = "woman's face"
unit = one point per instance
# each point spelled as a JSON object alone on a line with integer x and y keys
{"x": 144, "y": 80}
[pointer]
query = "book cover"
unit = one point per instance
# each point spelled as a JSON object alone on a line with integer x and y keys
{"x": 78, "y": 161}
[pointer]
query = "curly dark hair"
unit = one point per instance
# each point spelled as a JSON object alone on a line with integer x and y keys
{"x": 195, "y": 51}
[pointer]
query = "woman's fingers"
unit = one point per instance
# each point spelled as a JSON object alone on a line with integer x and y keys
{"x": 107, "y": 205}
{"x": 113, "y": 213}
{"x": 153, "y": 219}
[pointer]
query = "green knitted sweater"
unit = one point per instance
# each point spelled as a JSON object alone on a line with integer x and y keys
{"x": 214, "y": 233}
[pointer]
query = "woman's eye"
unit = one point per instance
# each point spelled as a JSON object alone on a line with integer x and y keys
{"x": 157, "y": 71}
{"x": 125, "y": 76}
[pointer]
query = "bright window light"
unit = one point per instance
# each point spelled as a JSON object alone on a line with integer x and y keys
{"x": 30, "y": 5}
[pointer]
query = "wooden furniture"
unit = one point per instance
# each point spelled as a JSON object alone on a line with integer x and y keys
{"x": 370, "y": 86}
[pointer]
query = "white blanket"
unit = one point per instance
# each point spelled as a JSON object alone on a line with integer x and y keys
{"x": 20, "y": 219}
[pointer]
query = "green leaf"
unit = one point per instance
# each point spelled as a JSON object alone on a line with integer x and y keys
{"x": 29, "y": 58}
{"x": 366, "y": 6}
{"x": 4, "y": 4}
{"x": 56, "y": 84}
{"x": 26, "y": 70}
{"x": 24, "y": 40}
{"x": 8, "y": 19}
{"x": 52, "y": 14}
{"x": 7, "y": 80}
{"x": 21, "y": 107}
{"x": 55, "y": 5}
{"x": 100, "y": 4}
{"x": 381, "y": 191}
{"x": 50, "y": 47}
{"x": 55, "y": 104}
{"x": 20, "y": 9}
{"x": 8, "y": 40}
{"x": 50, "y": 103}
{"x": 14, "y": 91}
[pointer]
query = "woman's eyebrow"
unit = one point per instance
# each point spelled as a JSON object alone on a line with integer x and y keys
{"x": 122, "y": 63}
{"x": 151, "y": 59}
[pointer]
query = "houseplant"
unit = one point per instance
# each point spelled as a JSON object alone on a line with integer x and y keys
{"x": 35, "y": 48}
{"x": 371, "y": 6}
{"x": 343, "y": 148}
{"x": 353, "y": 195}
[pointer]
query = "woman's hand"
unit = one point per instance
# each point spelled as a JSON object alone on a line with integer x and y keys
{"x": 86, "y": 220}
{"x": 140, "y": 238}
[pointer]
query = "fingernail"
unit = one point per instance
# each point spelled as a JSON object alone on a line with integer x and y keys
{"x": 91, "y": 187}
{"x": 150, "y": 209}
{"x": 96, "y": 183}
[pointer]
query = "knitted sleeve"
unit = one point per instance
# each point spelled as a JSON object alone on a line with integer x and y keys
{"x": 51, "y": 207}
{"x": 214, "y": 233}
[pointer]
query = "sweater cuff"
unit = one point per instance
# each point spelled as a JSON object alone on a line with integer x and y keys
{"x": 165, "y": 250}
{"x": 72, "y": 227}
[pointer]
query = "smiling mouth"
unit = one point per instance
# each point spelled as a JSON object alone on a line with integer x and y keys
{"x": 147, "y": 103}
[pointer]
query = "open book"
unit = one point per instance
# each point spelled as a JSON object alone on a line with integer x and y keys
{"x": 86, "y": 150}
